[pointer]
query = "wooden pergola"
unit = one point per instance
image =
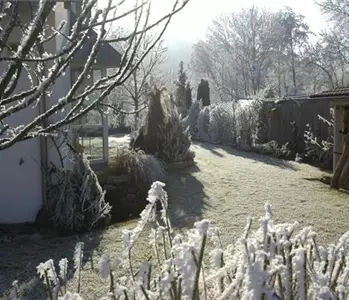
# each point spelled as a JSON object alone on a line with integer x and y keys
{"x": 107, "y": 58}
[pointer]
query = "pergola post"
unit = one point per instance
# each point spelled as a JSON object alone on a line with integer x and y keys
{"x": 105, "y": 127}
{"x": 105, "y": 138}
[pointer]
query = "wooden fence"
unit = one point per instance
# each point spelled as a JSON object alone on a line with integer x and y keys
{"x": 288, "y": 119}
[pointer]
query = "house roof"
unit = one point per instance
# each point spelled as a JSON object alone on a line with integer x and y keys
{"x": 336, "y": 92}
{"x": 107, "y": 57}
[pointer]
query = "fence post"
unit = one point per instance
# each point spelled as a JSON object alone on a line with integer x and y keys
{"x": 338, "y": 141}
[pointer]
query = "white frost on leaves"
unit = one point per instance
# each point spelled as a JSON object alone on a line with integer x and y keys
{"x": 300, "y": 270}
{"x": 155, "y": 194}
{"x": 70, "y": 296}
{"x": 47, "y": 269}
{"x": 143, "y": 273}
{"x": 166, "y": 283}
{"x": 127, "y": 237}
{"x": 202, "y": 226}
{"x": 217, "y": 258}
{"x": 104, "y": 266}
{"x": 63, "y": 268}
{"x": 14, "y": 294}
{"x": 78, "y": 256}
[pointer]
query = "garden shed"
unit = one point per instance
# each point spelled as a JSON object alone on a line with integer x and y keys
{"x": 339, "y": 98}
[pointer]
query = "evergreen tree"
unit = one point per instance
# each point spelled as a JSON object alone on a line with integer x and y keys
{"x": 203, "y": 93}
{"x": 180, "y": 86}
{"x": 188, "y": 96}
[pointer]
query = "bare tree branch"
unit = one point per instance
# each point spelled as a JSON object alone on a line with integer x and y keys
{"x": 74, "y": 101}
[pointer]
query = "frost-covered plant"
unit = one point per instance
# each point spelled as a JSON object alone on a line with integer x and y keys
{"x": 277, "y": 261}
{"x": 272, "y": 148}
{"x": 192, "y": 118}
{"x": 142, "y": 168}
{"x": 222, "y": 127}
{"x": 317, "y": 149}
{"x": 168, "y": 137}
{"x": 75, "y": 201}
{"x": 248, "y": 121}
{"x": 174, "y": 139}
{"x": 203, "y": 124}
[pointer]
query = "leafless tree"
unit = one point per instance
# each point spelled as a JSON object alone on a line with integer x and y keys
{"x": 143, "y": 78}
{"x": 42, "y": 69}
{"x": 237, "y": 51}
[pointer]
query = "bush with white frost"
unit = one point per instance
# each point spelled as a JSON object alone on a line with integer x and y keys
{"x": 192, "y": 117}
{"x": 203, "y": 124}
{"x": 222, "y": 127}
{"x": 142, "y": 168}
{"x": 227, "y": 123}
{"x": 166, "y": 134}
{"x": 316, "y": 149}
{"x": 277, "y": 261}
{"x": 75, "y": 201}
{"x": 174, "y": 138}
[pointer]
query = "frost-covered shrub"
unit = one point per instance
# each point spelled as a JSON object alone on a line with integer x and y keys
{"x": 147, "y": 137}
{"x": 169, "y": 137}
{"x": 262, "y": 110}
{"x": 203, "y": 124}
{"x": 142, "y": 168}
{"x": 192, "y": 118}
{"x": 277, "y": 261}
{"x": 272, "y": 148}
{"x": 228, "y": 123}
{"x": 75, "y": 201}
{"x": 175, "y": 139}
{"x": 233, "y": 123}
{"x": 247, "y": 121}
{"x": 317, "y": 150}
{"x": 222, "y": 127}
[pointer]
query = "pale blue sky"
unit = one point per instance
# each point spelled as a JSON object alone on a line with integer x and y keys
{"x": 191, "y": 23}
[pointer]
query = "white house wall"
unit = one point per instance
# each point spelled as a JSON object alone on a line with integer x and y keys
{"x": 20, "y": 176}
{"x": 21, "y": 187}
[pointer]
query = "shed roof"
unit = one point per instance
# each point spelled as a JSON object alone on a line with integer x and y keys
{"x": 107, "y": 57}
{"x": 336, "y": 92}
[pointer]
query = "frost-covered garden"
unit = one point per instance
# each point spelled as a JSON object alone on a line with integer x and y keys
{"x": 211, "y": 190}
{"x": 196, "y": 201}
{"x": 266, "y": 259}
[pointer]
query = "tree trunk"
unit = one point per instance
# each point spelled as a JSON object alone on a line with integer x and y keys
{"x": 293, "y": 67}
{"x": 279, "y": 78}
{"x": 136, "y": 99}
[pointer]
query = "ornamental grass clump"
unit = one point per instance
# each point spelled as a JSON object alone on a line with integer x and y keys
{"x": 75, "y": 201}
{"x": 143, "y": 169}
{"x": 277, "y": 261}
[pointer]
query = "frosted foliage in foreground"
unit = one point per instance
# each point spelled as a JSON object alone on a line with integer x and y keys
{"x": 277, "y": 261}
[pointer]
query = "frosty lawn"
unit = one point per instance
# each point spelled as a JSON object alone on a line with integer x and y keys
{"x": 225, "y": 187}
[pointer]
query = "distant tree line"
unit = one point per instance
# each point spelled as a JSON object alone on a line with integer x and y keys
{"x": 257, "y": 50}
